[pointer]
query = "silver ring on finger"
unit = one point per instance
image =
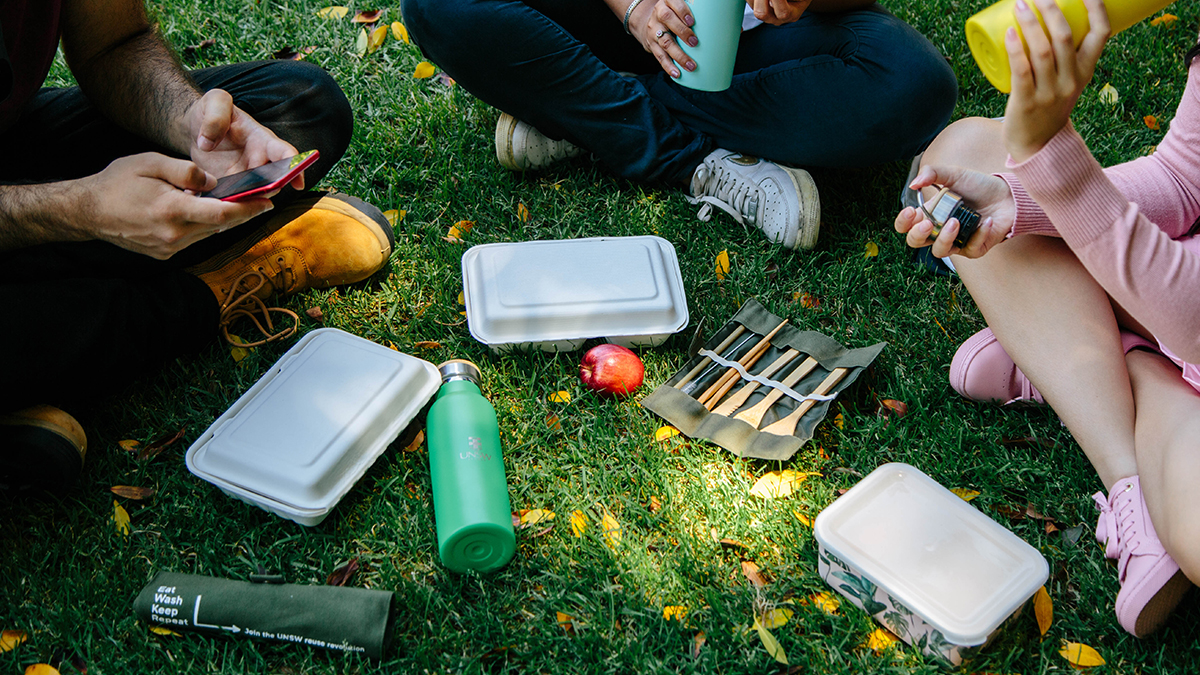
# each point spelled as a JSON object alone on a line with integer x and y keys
{"x": 660, "y": 33}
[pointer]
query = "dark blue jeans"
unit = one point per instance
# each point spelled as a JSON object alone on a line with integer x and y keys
{"x": 830, "y": 90}
{"x": 84, "y": 318}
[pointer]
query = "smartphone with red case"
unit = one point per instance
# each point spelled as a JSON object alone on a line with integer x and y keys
{"x": 261, "y": 180}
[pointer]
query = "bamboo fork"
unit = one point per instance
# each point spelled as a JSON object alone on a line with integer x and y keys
{"x": 706, "y": 360}
{"x": 753, "y": 416}
{"x": 734, "y": 402}
{"x": 708, "y": 398}
{"x": 787, "y": 425}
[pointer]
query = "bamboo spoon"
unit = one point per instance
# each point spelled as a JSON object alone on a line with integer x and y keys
{"x": 734, "y": 402}
{"x": 731, "y": 375}
{"x": 753, "y": 416}
{"x": 787, "y": 425}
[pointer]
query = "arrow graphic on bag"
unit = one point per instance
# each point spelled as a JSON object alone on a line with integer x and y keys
{"x": 197, "y": 624}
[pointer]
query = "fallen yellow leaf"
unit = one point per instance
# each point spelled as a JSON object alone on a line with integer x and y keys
{"x": 776, "y": 617}
{"x": 663, "y": 433}
{"x": 238, "y": 353}
{"x": 522, "y": 212}
{"x": 129, "y": 445}
{"x": 132, "y": 491}
{"x": 880, "y": 639}
{"x": 578, "y": 522}
{"x": 1164, "y": 20}
{"x": 839, "y": 421}
{"x": 612, "y": 530}
{"x": 159, "y": 630}
{"x": 825, "y": 601}
{"x": 9, "y": 640}
{"x": 676, "y": 612}
{"x": 776, "y": 484}
{"x": 803, "y": 518}
{"x": 1043, "y": 609}
{"x": 535, "y": 516}
{"x": 360, "y": 43}
{"x": 1151, "y": 122}
{"x": 553, "y": 422}
{"x": 399, "y": 31}
{"x": 368, "y": 16}
{"x": 870, "y": 250}
{"x": 394, "y": 216}
{"x": 770, "y": 643}
{"x": 566, "y": 621}
{"x": 416, "y": 442}
{"x": 722, "y": 265}
{"x": 333, "y": 12}
{"x": 560, "y": 397}
{"x": 424, "y": 70}
{"x": 462, "y": 299}
{"x": 966, "y": 494}
{"x": 751, "y": 572}
{"x": 427, "y": 344}
{"x": 120, "y": 518}
{"x": 1079, "y": 654}
{"x": 809, "y": 301}
{"x": 41, "y": 669}
{"x": 1108, "y": 94}
{"x": 375, "y": 41}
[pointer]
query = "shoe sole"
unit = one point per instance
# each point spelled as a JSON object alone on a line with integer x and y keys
{"x": 1158, "y": 610}
{"x": 962, "y": 360}
{"x": 810, "y": 210}
{"x": 505, "y": 127}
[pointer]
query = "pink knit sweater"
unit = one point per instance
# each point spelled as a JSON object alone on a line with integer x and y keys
{"x": 1128, "y": 224}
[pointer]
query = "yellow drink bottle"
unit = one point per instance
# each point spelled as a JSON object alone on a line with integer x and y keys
{"x": 985, "y": 30}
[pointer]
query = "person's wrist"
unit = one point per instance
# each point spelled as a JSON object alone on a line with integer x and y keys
{"x": 633, "y": 4}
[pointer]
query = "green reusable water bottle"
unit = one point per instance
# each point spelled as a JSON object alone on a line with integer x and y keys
{"x": 470, "y": 493}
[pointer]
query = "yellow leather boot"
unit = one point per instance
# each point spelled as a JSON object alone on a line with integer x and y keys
{"x": 41, "y": 447}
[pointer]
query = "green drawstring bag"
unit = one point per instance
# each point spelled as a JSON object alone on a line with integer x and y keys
{"x": 330, "y": 617}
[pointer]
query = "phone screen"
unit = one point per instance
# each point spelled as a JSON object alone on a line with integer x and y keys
{"x": 261, "y": 177}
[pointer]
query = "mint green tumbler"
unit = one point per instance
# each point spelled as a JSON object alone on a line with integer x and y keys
{"x": 718, "y": 30}
{"x": 470, "y": 493}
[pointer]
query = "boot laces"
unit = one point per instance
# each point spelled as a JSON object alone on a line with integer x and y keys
{"x": 242, "y": 302}
{"x": 728, "y": 191}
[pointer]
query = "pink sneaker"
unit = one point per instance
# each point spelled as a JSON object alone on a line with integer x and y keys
{"x": 983, "y": 371}
{"x": 1151, "y": 583}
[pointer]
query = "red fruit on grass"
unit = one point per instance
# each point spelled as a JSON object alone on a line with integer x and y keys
{"x": 611, "y": 369}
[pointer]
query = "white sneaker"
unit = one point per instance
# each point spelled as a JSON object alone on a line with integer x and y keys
{"x": 519, "y": 146}
{"x": 779, "y": 200}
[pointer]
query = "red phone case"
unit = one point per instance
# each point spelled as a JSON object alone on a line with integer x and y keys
{"x": 303, "y": 161}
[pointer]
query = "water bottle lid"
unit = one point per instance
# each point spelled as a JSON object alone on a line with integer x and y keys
{"x": 460, "y": 369}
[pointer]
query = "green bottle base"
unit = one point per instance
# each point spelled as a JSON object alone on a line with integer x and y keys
{"x": 482, "y": 547}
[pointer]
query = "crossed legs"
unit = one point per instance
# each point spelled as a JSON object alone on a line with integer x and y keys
{"x": 1132, "y": 414}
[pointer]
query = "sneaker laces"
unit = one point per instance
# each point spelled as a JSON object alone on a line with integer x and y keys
{"x": 1117, "y": 528}
{"x": 729, "y": 192}
{"x": 242, "y": 302}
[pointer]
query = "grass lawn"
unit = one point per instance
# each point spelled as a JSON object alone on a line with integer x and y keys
{"x": 424, "y": 146}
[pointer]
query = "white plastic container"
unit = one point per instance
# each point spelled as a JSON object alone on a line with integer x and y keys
{"x": 298, "y": 440}
{"x": 554, "y": 295}
{"x": 930, "y": 567}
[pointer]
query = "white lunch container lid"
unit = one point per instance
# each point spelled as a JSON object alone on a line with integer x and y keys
{"x": 556, "y": 294}
{"x": 312, "y": 425}
{"x": 933, "y": 552}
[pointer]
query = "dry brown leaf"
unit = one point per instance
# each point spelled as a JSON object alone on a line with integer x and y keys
{"x": 315, "y": 313}
{"x": 427, "y": 344}
{"x": 1151, "y": 122}
{"x": 132, "y": 492}
{"x": 809, "y": 301}
{"x": 1080, "y": 655}
{"x": 342, "y": 575}
{"x": 368, "y": 16}
{"x": 751, "y": 571}
{"x": 698, "y": 644}
{"x": 732, "y": 543}
{"x": 161, "y": 443}
{"x": 890, "y": 407}
{"x": 553, "y": 422}
{"x": 1043, "y": 609}
{"x": 416, "y": 442}
{"x": 655, "y": 504}
{"x": 10, "y": 639}
{"x": 129, "y": 445}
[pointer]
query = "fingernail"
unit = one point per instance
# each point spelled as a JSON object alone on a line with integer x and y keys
{"x": 693, "y": 41}
{"x": 690, "y": 65}
{"x": 689, "y": 20}
{"x": 204, "y": 143}
{"x": 675, "y": 74}
{"x": 1022, "y": 6}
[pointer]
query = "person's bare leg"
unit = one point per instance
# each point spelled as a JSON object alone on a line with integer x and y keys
{"x": 1051, "y": 316}
{"x": 1167, "y": 435}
